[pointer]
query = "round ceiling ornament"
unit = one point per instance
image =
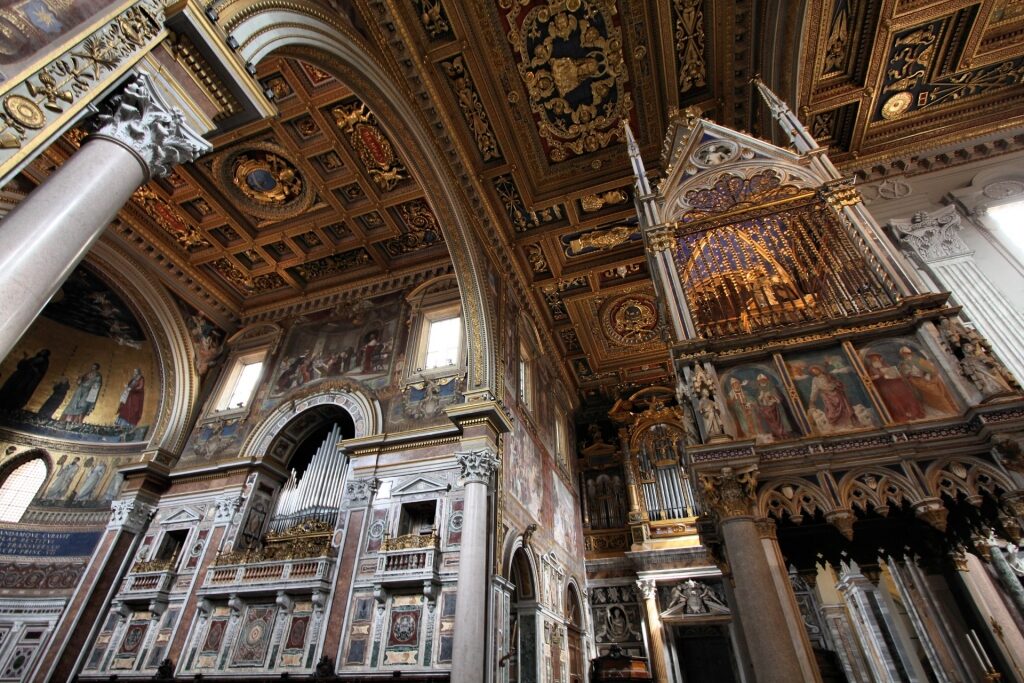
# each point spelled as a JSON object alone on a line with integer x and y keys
{"x": 630, "y": 319}
{"x": 262, "y": 181}
{"x": 715, "y": 153}
{"x": 897, "y": 105}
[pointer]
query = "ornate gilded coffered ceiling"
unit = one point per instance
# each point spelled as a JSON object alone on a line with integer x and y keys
{"x": 531, "y": 94}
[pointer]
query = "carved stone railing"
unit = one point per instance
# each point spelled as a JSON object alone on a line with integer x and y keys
{"x": 291, "y": 574}
{"x": 408, "y": 560}
{"x": 148, "y": 584}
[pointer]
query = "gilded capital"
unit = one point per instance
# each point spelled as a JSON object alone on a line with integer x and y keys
{"x": 662, "y": 238}
{"x": 138, "y": 119}
{"x": 477, "y": 466}
{"x": 730, "y": 492}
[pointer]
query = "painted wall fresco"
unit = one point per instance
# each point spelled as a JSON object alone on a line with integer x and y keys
{"x": 84, "y": 370}
{"x": 522, "y": 471}
{"x": 31, "y": 29}
{"x": 833, "y": 397}
{"x": 757, "y": 405}
{"x": 909, "y": 381}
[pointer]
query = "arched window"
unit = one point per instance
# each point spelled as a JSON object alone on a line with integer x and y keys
{"x": 19, "y": 488}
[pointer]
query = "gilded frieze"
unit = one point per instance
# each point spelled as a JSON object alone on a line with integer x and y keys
{"x": 419, "y": 229}
{"x": 522, "y": 217}
{"x": 328, "y": 266}
{"x": 472, "y": 108}
{"x": 689, "y": 38}
{"x": 434, "y": 19}
{"x": 570, "y": 59}
{"x": 170, "y": 218}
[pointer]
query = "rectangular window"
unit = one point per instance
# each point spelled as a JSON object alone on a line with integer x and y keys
{"x": 525, "y": 377}
{"x": 241, "y": 382}
{"x": 444, "y": 339}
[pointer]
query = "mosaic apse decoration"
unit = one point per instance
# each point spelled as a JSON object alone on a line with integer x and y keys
{"x": 254, "y": 636}
{"x": 832, "y": 394}
{"x": 570, "y": 59}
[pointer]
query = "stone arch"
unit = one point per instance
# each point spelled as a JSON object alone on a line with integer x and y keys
{"x": 305, "y": 30}
{"x": 366, "y": 414}
{"x": 967, "y": 476}
{"x": 16, "y": 460}
{"x": 793, "y": 497}
{"x": 878, "y": 489}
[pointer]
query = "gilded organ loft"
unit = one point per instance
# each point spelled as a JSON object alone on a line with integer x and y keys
{"x": 511, "y": 340}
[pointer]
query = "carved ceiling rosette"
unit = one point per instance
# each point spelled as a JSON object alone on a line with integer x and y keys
{"x": 263, "y": 181}
{"x": 569, "y": 55}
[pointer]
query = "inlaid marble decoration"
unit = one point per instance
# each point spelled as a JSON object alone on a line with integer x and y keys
{"x": 254, "y": 636}
{"x": 133, "y": 637}
{"x": 455, "y": 524}
{"x": 378, "y": 525}
{"x": 832, "y": 394}
{"x": 214, "y": 636}
{"x": 297, "y": 633}
{"x": 909, "y": 381}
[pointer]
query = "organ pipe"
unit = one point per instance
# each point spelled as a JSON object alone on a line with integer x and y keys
{"x": 317, "y": 493}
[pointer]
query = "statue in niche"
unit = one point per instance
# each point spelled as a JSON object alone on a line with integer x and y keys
{"x": 987, "y": 374}
{"x": 708, "y": 406}
{"x": 697, "y": 598}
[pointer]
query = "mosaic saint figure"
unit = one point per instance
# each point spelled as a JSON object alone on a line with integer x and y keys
{"x": 22, "y": 383}
{"x": 58, "y": 392}
{"x": 129, "y": 410}
{"x": 90, "y": 481}
{"x": 924, "y": 376}
{"x": 829, "y": 392}
{"x": 897, "y": 393}
{"x": 771, "y": 409}
{"x": 63, "y": 480}
{"x": 83, "y": 401}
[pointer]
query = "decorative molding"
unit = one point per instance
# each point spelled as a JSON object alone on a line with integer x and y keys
{"x": 359, "y": 492}
{"x": 139, "y": 119}
{"x": 477, "y": 466}
{"x": 932, "y": 236}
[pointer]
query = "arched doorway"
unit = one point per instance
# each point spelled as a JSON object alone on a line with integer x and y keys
{"x": 574, "y": 637}
{"x": 519, "y": 664}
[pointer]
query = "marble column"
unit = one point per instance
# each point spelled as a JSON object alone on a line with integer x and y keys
{"x": 764, "y": 595}
{"x": 469, "y": 648}
{"x": 933, "y": 241}
{"x": 656, "y": 646}
{"x": 997, "y": 622}
{"x": 138, "y": 137}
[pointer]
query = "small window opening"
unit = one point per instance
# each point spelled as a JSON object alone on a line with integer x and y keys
{"x": 417, "y": 519}
{"x": 170, "y": 548}
{"x": 443, "y": 341}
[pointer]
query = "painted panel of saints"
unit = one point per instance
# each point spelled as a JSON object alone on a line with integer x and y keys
{"x": 757, "y": 404}
{"x": 832, "y": 394}
{"x": 910, "y": 382}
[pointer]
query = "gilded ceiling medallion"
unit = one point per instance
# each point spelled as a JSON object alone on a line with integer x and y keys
{"x": 262, "y": 181}
{"x": 371, "y": 144}
{"x": 571, "y": 62}
{"x": 897, "y": 105}
{"x": 631, "y": 319}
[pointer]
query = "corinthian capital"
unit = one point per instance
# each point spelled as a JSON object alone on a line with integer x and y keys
{"x": 931, "y": 236}
{"x": 477, "y": 466}
{"x": 730, "y": 492}
{"x": 139, "y": 119}
{"x": 131, "y": 515}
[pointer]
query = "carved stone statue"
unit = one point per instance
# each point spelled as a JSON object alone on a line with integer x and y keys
{"x": 697, "y": 598}
{"x": 711, "y": 414}
{"x": 987, "y": 374}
